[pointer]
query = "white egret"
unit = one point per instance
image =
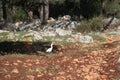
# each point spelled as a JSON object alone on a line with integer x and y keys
{"x": 50, "y": 49}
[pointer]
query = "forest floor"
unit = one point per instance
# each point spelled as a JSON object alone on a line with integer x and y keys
{"x": 96, "y": 61}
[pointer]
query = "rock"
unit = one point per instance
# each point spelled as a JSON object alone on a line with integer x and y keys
{"x": 30, "y": 34}
{"x": 2, "y": 31}
{"x": 59, "y": 78}
{"x": 27, "y": 39}
{"x": 76, "y": 60}
{"x": 112, "y": 70}
{"x": 118, "y": 60}
{"x": 103, "y": 77}
{"x": 31, "y": 77}
{"x": 114, "y": 22}
{"x": 66, "y": 17}
{"x": 7, "y": 63}
{"x": 49, "y": 33}
{"x": 11, "y": 35}
{"x": 71, "y": 25}
{"x": 16, "y": 64}
{"x": 29, "y": 64}
{"x": 71, "y": 40}
{"x": 104, "y": 62}
{"x": 19, "y": 61}
{"x": 86, "y": 39}
{"x": 37, "y": 22}
{"x": 36, "y": 36}
{"x": 85, "y": 69}
{"x": 18, "y": 23}
{"x": 8, "y": 76}
{"x": 114, "y": 32}
{"x": 61, "y": 73}
{"x": 118, "y": 64}
{"x": 76, "y": 36}
{"x": 40, "y": 75}
{"x": 37, "y": 62}
{"x": 62, "y": 32}
{"x": 51, "y": 20}
{"x": 15, "y": 71}
{"x": 118, "y": 27}
{"x": 27, "y": 26}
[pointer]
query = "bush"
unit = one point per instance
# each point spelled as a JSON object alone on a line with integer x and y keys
{"x": 94, "y": 24}
{"x": 113, "y": 7}
{"x": 90, "y": 8}
{"x": 20, "y": 15}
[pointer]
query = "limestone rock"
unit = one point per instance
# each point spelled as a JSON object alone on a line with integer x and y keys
{"x": 15, "y": 71}
{"x": 49, "y": 33}
{"x": 62, "y": 32}
{"x": 86, "y": 39}
{"x": 11, "y": 35}
{"x": 31, "y": 77}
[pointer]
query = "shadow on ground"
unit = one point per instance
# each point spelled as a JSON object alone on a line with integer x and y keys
{"x": 24, "y": 47}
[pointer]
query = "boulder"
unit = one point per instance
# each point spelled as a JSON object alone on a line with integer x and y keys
{"x": 66, "y": 17}
{"x": 11, "y": 35}
{"x": 86, "y": 39}
{"x": 62, "y": 32}
{"x": 49, "y": 33}
{"x": 114, "y": 22}
{"x": 36, "y": 36}
{"x": 2, "y": 31}
{"x": 50, "y": 20}
{"x": 71, "y": 25}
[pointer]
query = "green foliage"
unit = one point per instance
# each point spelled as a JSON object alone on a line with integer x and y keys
{"x": 113, "y": 7}
{"x": 86, "y": 8}
{"x": 54, "y": 1}
{"x": 19, "y": 14}
{"x": 90, "y": 8}
{"x": 65, "y": 7}
{"x": 98, "y": 37}
{"x": 90, "y": 25}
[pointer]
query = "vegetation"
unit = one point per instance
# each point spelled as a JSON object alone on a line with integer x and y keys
{"x": 90, "y": 10}
{"x": 86, "y": 8}
{"x": 94, "y": 24}
{"x": 113, "y": 7}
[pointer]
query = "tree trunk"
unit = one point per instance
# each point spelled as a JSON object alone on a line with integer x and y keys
{"x": 14, "y": 13}
{"x": 44, "y": 11}
{"x": 4, "y": 10}
{"x": 103, "y": 6}
{"x": 30, "y": 15}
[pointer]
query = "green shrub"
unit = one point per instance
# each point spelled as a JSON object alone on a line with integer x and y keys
{"x": 90, "y": 8}
{"x": 113, "y": 7}
{"x": 94, "y": 24}
{"x": 20, "y": 14}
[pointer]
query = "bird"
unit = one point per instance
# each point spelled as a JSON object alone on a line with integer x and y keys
{"x": 50, "y": 49}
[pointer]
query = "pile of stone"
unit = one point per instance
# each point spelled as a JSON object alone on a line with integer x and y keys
{"x": 78, "y": 37}
{"x": 62, "y": 22}
{"x": 20, "y": 26}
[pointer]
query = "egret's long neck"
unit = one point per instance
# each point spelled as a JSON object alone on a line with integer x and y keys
{"x": 51, "y": 45}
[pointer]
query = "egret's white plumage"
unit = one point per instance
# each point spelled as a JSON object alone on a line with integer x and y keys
{"x": 50, "y": 49}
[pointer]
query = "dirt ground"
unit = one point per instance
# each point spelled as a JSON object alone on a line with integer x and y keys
{"x": 71, "y": 62}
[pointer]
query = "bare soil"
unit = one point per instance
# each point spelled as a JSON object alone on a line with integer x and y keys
{"x": 71, "y": 62}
